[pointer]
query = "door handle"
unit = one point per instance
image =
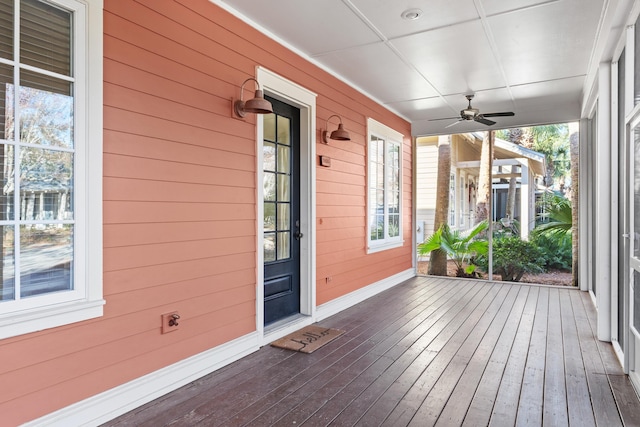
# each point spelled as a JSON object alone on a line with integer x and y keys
{"x": 626, "y": 235}
{"x": 298, "y": 235}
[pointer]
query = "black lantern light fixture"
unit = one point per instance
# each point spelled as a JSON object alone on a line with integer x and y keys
{"x": 257, "y": 105}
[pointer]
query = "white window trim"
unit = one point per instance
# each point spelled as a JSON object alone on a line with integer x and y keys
{"x": 86, "y": 300}
{"x": 375, "y": 128}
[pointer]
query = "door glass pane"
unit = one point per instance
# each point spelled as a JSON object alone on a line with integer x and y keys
{"x": 269, "y": 186}
{"x": 284, "y": 130}
{"x": 269, "y": 127}
{"x": 284, "y": 164}
{"x": 284, "y": 216}
{"x": 284, "y": 245}
{"x": 269, "y": 156}
{"x": 46, "y": 259}
{"x": 269, "y": 216}
{"x": 269, "y": 247}
{"x": 284, "y": 190}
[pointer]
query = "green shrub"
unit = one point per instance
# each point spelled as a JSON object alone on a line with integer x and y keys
{"x": 513, "y": 257}
{"x": 555, "y": 250}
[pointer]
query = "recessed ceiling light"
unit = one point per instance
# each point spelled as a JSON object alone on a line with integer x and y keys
{"x": 411, "y": 14}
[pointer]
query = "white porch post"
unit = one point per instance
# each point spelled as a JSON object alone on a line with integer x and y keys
{"x": 525, "y": 199}
{"x": 602, "y": 241}
{"x": 583, "y": 211}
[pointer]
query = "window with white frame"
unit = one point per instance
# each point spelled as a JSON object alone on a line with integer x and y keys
{"x": 51, "y": 158}
{"x": 384, "y": 187}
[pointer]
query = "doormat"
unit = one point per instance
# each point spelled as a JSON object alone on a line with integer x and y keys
{"x": 308, "y": 339}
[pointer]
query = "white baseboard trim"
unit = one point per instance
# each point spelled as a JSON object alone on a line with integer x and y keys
{"x": 122, "y": 399}
{"x": 337, "y": 305}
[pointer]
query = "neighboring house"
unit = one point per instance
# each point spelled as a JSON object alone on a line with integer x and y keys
{"x": 180, "y": 206}
{"x": 510, "y": 160}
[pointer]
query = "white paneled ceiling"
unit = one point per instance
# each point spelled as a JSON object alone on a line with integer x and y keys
{"x": 531, "y": 57}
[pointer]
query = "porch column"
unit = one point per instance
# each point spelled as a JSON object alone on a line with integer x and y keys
{"x": 602, "y": 243}
{"x": 525, "y": 199}
{"x": 584, "y": 261}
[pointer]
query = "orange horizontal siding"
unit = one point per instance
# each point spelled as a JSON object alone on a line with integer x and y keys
{"x": 124, "y": 189}
{"x": 235, "y": 132}
{"x": 161, "y": 253}
{"x": 325, "y": 187}
{"x": 145, "y": 212}
{"x": 156, "y": 275}
{"x": 216, "y": 152}
{"x": 145, "y": 234}
{"x": 180, "y": 203}
{"x": 162, "y": 170}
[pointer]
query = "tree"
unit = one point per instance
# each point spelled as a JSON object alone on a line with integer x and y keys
{"x": 511, "y": 198}
{"x": 519, "y": 137}
{"x": 550, "y": 140}
{"x": 574, "y": 149}
{"x": 484, "y": 179}
{"x": 438, "y": 258}
{"x": 553, "y": 142}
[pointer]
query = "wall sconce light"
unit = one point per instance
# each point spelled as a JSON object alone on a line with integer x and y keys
{"x": 257, "y": 105}
{"x": 339, "y": 134}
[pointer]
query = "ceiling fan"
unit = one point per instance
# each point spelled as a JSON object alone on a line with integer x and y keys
{"x": 473, "y": 114}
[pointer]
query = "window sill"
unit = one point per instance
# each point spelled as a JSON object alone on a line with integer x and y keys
{"x": 24, "y": 322}
{"x": 384, "y": 246}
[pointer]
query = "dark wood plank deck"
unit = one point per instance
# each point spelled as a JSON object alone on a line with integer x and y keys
{"x": 432, "y": 351}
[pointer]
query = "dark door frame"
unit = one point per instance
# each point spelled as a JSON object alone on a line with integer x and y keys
{"x": 284, "y": 90}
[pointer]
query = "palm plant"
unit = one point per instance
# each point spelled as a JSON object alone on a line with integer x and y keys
{"x": 460, "y": 246}
{"x": 559, "y": 213}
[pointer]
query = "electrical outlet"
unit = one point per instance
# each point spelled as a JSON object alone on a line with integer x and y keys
{"x": 170, "y": 322}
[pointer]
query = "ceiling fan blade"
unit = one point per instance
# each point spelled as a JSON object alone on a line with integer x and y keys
{"x": 454, "y": 123}
{"x": 445, "y": 118}
{"x": 484, "y": 121}
{"x": 504, "y": 114}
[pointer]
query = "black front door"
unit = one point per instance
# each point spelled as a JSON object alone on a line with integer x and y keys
{"x": 281, "y": 168}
